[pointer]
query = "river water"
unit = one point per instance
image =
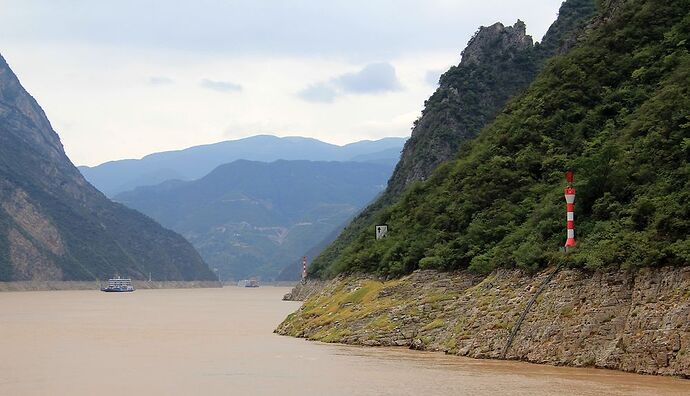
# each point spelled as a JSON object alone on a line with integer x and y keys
{"x": 220, "y": 342}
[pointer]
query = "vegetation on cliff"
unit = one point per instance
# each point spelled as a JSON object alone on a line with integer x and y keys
{"x": 616, "y": 109}
{"x": 498, "y": 63}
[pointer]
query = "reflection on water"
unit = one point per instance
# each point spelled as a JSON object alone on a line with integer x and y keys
{"x": 219, "y": 342}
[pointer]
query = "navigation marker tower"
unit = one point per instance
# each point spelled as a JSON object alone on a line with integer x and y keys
{"x": 569, "y": 193}
{"x": 304, "y": 268}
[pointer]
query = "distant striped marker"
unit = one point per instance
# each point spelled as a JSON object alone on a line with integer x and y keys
{"x": 304, "y": 267}
{"x": 570, "y": 210}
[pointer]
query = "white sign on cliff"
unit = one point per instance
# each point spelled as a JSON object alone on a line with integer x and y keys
{"x": 381, "y": 231}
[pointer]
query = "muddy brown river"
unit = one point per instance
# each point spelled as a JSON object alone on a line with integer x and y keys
{"x": 220, "y": 342}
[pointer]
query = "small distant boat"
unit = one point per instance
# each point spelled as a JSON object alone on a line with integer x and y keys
{"x": 248, "y": 283}
{"x": 119, "y": 285}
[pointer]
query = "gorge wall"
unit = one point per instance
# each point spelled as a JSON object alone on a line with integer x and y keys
{"x": 630, "y": 321}
{"x": 55, "y": 226}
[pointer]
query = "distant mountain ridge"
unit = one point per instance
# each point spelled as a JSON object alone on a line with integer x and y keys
{"x": 56, "y": 226}
{"x": 195, "y": 162}
{"x": 250, "y": 218}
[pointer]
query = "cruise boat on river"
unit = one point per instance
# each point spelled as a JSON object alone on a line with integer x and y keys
{"x": 118, "y": 284}
{"x": 248, "y": 283}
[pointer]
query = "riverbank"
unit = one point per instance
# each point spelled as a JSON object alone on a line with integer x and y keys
{"x": 629, "y": 321}
{"x": 304, "y": 289}
{"x": 93, "y": 285}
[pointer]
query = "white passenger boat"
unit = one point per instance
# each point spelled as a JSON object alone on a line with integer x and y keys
{"x": 118, "y": 284}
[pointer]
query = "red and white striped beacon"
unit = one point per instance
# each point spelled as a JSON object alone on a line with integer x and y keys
{"x": 304, "y": 267}
{"x": 569, "y": 193}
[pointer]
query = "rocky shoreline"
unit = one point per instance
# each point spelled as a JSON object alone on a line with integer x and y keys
{"x": 305, "y": 289}
{"x": 631, "y": 321}
{"x": 80, "y": 285}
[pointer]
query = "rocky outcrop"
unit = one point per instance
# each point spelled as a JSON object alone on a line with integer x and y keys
{"x": 631, "y": 321}
{"x": 497, "y": 63}
{"x": 573, "y": 17}
{"x": 490, "y": 41}
{"x": 55, "y": 226}
{"x": 304, "y": 290}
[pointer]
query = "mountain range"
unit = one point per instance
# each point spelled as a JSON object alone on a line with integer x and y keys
{"x": 195, "y": 162}
{"x": 252, "y": 219}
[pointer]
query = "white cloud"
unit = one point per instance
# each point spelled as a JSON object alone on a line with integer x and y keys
{"x": 356, "y": 29}
{"x": 318, "y": 93}
{"x": 373, "y": 78}
{"x": 220, "y": 86}
{"x": 160, "y": 80}
{"x": 95, "y": 79}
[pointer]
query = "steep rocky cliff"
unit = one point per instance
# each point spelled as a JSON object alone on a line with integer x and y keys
{"x": 632, "y": 321}
{"x": 498, "y": 63}
{"x": 614, "y": 108}
{"x": 56, "y": 226}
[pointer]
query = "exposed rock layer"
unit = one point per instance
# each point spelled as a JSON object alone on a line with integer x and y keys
{"x": 304, "y": 290}
{"x": 634, "y": 322}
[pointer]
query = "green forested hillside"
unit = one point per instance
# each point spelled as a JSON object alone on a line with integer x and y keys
{"x": 498, "y": 63}
{"x": 252, "y": 219}
{"x": 615, "y": 109}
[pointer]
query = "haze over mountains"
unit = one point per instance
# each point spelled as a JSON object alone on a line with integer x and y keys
{"x": 252, "y": 219}
{"x": 247, "y": 218}
{"x": 195, "y": 162}
{"x": 56, "y": 226}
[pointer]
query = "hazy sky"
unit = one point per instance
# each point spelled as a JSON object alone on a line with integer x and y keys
{"x": 122, "y": 79}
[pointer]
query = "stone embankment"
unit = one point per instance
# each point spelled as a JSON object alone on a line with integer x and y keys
{"x": 77, "y": 285}
{"x": 632, "y": 321}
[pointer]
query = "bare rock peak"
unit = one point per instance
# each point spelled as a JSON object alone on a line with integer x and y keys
{"x": 496, "y": 38}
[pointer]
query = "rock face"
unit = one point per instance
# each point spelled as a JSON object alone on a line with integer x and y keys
{"x": 56, "y": 226}
{"x": 498, "y": 62}
{"x": 304, "y": 290}
{"x": 496, "y": 39}
{"x": 572, "y": 18}
{"x": 634, "y": 322}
